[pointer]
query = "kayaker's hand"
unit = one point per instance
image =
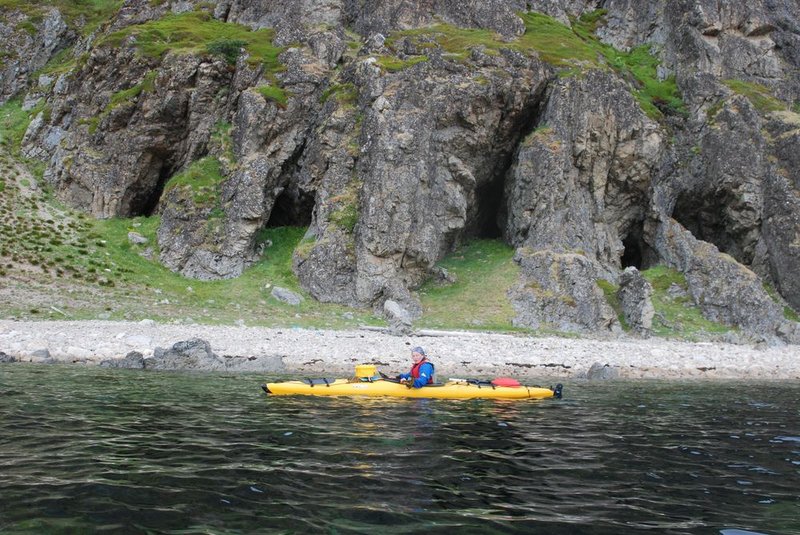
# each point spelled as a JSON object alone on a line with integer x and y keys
{"x": 407, "y": 382}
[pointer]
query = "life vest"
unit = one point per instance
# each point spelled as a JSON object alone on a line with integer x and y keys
{"x": 415, "y": 370}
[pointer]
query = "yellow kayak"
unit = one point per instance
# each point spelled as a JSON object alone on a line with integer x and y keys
{"x": 382, "y": 386}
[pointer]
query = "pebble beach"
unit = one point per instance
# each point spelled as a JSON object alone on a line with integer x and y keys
{"x": 309, "y": 351}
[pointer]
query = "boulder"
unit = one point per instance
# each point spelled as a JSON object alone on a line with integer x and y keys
{"x": 602, "y": 372}
{"x": 133, "y": 360}
{"x": 559, "y": 291}
{"x": 286, "y": 296}
{"x": 136, "y": 238}
{"x": 634, "y": 295}
{"x": 398, "y": 316}
{"x": 6, "y": 358}
{"x": 725, "y": 290}
{"x": 194, "y": 354}
{"x": 43, "y": 356}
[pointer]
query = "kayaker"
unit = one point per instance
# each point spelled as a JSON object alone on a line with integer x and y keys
{"x": 421, "y": 373}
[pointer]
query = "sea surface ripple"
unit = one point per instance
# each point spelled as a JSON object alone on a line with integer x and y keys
{"x": 95, "y": 450}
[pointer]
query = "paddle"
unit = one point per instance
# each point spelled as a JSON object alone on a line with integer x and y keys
{"x": 387, "y": 378}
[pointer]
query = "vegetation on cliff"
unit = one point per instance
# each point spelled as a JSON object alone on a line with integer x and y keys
{"x": 572, "y": 49}
{"x": 198, "y": 32}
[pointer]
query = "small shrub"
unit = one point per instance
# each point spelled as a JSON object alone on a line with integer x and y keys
{"x": 230, "y": 49}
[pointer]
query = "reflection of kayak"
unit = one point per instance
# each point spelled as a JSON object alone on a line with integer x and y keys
{"x": 371, "y": 385}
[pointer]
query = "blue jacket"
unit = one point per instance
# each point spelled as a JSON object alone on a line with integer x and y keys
{"x": 425, "y": 375}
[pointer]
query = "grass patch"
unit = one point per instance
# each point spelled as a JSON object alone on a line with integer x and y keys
{"x": 63, "y": 61}
{"x": 230, "y": 49}
{"x": 225, "y": 301}
{"x": 126, "y": 95}
{"x": 654, "y": 95}
{"x": 274, "y": 93}
{"x": 484, "y": 271}
{"x": 345, "y": 215}
{"x": 202, "y": 178}
{"x": 222, "y": 140}
{"x": 758, "y": 95}
{"x": 346, "y": 94}
{"x": 14, "y": 122}
{"x": 393, "y": 64}
{"x": 677, "y": 316}
{"x": 197, "y": 32}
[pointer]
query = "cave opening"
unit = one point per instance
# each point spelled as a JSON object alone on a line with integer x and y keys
{"x": 142, "y": 198}
{"x": 688, "y": 211}
{"x": 489, "y": 198}
{"x": 292, "y": 208}
{"x": 632, "y": 253}
{"x": 151, "y": 203}
{"x": 704, "y": 217}
{"x": 636, "y": 251}
{"x": 489, "y": 216}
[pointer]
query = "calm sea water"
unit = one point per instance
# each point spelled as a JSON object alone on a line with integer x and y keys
{"x": 94, "y": 450}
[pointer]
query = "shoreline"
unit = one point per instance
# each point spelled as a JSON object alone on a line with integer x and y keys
{"x": 308, "y": 351}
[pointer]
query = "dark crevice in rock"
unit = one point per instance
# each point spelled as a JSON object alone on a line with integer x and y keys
{"x": 490, "y": 202}
{"x": 704, "y": 218}
{"x": 144, "y": 201}
{"x": 491, "y": 215}
{"x": 632, "y": 254}
{"x": 292, "y": 208}
{"x": 637, "y": 252}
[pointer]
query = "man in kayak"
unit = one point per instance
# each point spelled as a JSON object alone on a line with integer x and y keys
{"x": 421, "y": 373}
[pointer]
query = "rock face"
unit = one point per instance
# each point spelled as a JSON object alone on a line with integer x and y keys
{"x": 634, "y": 296}
{"x": 581, "y": 180}
{"x": 35, "y": 40}
{"x": 393, "y": 146}
{"x": 432, "y": 163}
{"x": 558, "y": 290}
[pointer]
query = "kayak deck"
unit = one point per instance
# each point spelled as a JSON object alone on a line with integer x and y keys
{"x": 449, "y": 390}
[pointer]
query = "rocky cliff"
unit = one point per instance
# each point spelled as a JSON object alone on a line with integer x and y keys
{"x": 592, "y": 136}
